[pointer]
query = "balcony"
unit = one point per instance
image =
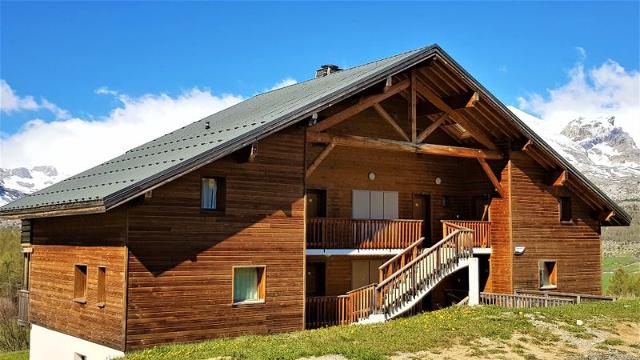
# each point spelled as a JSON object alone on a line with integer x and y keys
{"x": 342, "y": 233}
{"x": 23, "y": 307}
{"x": 481, "y": 231}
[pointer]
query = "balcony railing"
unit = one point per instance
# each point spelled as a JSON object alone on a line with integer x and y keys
{"x": 339, "y": 233}
{"x": 23, "y": 307}
{"x": 481, "y": 230}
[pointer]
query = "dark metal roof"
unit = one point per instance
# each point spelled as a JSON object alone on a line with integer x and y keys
{"x": 163, "y": 159}
{"x": 189, "y": 147}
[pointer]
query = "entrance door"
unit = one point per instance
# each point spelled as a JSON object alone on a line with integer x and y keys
{"x": 364, "y": 272}
{"x": 315, "y": 279}
{"x": 316, "y": 203}
{"x": 422, "y": 211}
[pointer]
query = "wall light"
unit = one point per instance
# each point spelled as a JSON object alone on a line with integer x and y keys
{"x": 438, "y": 180}
{"x": 372, "y": 176}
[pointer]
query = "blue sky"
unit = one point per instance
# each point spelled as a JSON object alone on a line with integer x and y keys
{"x": 64, "y": 52}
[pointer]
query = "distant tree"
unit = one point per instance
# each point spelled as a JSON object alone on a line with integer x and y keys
{"x": 10, "y": 263}
{"x": 624, "y": 283}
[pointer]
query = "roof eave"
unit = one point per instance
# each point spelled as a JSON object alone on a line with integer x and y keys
{"x": 81, "y": 208}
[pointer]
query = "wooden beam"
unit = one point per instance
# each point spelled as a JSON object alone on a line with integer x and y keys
{"x": 412, "y": 107}
{"x": 385, "y": 115}
{"x": 359, "y": 107}
{"x": 492, "y": 176}
{"x": 561, "y": 180}
{"x": 463, "y": 101}
{"x": 443, "y": 106}
{"x": 394, "y": 145}
{"x": 606, "y": 217}
{"x": 318, "y": 160}
{"x": 431, "y": 128}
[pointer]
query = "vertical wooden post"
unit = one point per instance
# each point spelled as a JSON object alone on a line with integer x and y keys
{"x": 412, "y": 107}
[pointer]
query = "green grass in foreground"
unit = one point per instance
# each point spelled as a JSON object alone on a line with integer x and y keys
{"x": 17, "y": 355}
{"x": 429, "y": 331}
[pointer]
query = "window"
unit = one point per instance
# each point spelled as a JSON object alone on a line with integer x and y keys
{"x": 212, "y": 197}
{"x": 80, "y": 284}
{"x": 548, "y": 274}
{"x": 102, "y": 277}
{"x": 374, "y": 204}
{"x": 249, "y": 284}
{"x": 565, "y": 209}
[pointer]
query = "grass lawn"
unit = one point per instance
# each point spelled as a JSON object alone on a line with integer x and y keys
{"x": 429, "y": 331}
{"x": 611, "y": 264}
{"x": 17, "y": 355}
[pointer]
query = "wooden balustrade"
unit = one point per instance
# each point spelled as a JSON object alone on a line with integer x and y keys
{"x": 338, "y": 233}
{"x": 323, "y": 311}
{"x": 481, "y": 230}
{"x": 363, "y": 302}
{"x": 523, "y": 301}
{"x": 424, "y": 271}
{"x": 578, "y": 298}
{"x": 397, "y": 262}
{"x": 23, "y": 307}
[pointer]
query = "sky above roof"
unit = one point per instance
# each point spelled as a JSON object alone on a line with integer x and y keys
{"x": 112, "y": 75}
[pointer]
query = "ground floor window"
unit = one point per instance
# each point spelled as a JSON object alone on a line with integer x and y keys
{"x": 548, "y": 274}
{"x": 80, "y": 283}
{"x": 249, "y": 284}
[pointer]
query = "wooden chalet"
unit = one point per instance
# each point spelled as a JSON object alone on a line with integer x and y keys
{"x": 361, "y": 195}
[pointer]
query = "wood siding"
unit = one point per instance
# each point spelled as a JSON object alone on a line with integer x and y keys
{"x": 60, "y": 243}
{"x": 500, "y": 261}
{"x": 536, "y": 225}
{"x": 181, "y": 258}
{"x": 346, "y": 169}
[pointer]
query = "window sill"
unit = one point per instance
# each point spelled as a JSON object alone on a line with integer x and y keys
{"x": 549, "y": 287}
{"x": 567, "y": 222}
{"x": 248, "y": 302}
{"x": 80, "y": 300}
{"x": 212, "y": 212}
{"x": 101, "y": 305}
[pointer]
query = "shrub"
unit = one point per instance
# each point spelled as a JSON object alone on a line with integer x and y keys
{"x": 624, "y": 283}
{"x": 10, "y": 263}
{"x": 13, "y": 337}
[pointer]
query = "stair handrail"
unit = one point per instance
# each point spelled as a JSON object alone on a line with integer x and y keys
{"x": 424, "y": 254}
{"x": 402, "y": 256}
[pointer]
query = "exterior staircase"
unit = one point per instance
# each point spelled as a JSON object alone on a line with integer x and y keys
{"x": 409, "y": 276}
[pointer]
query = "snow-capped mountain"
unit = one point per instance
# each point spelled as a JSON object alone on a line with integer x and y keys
{"x": 18, "y": 182}
{"x": 603, "y": 151}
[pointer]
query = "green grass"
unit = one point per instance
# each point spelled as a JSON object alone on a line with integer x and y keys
{"x": 17, "y": 355}
{"x": 429, "y": 331}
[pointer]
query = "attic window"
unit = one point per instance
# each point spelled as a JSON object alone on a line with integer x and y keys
{"x": 565, "y": 209}
{"x": 212, "y": 193}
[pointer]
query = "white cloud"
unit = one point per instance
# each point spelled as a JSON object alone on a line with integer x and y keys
{"x": 76, "y": 144}
{"x": 10, "y": 102}
{"x": 282, "y": 83}
{"x": 607, "y": 90}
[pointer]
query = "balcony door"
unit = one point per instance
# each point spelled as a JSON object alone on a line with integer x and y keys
{"x": 367, "y": 204}
{"x": 422, "y": 211}
{"x": 316, "y": 203}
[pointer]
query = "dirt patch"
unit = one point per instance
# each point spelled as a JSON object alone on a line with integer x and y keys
{"x": 561, "y": 342}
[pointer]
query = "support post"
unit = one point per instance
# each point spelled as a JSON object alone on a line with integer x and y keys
{"x": 474, "y": 281}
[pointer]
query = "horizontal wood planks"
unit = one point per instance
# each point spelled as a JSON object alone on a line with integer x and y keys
{"x": 58, "y": 244}
{"x": 500, "y": 262}
{"x": 181, "y": 258}
{"x": 536, "y": 225}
